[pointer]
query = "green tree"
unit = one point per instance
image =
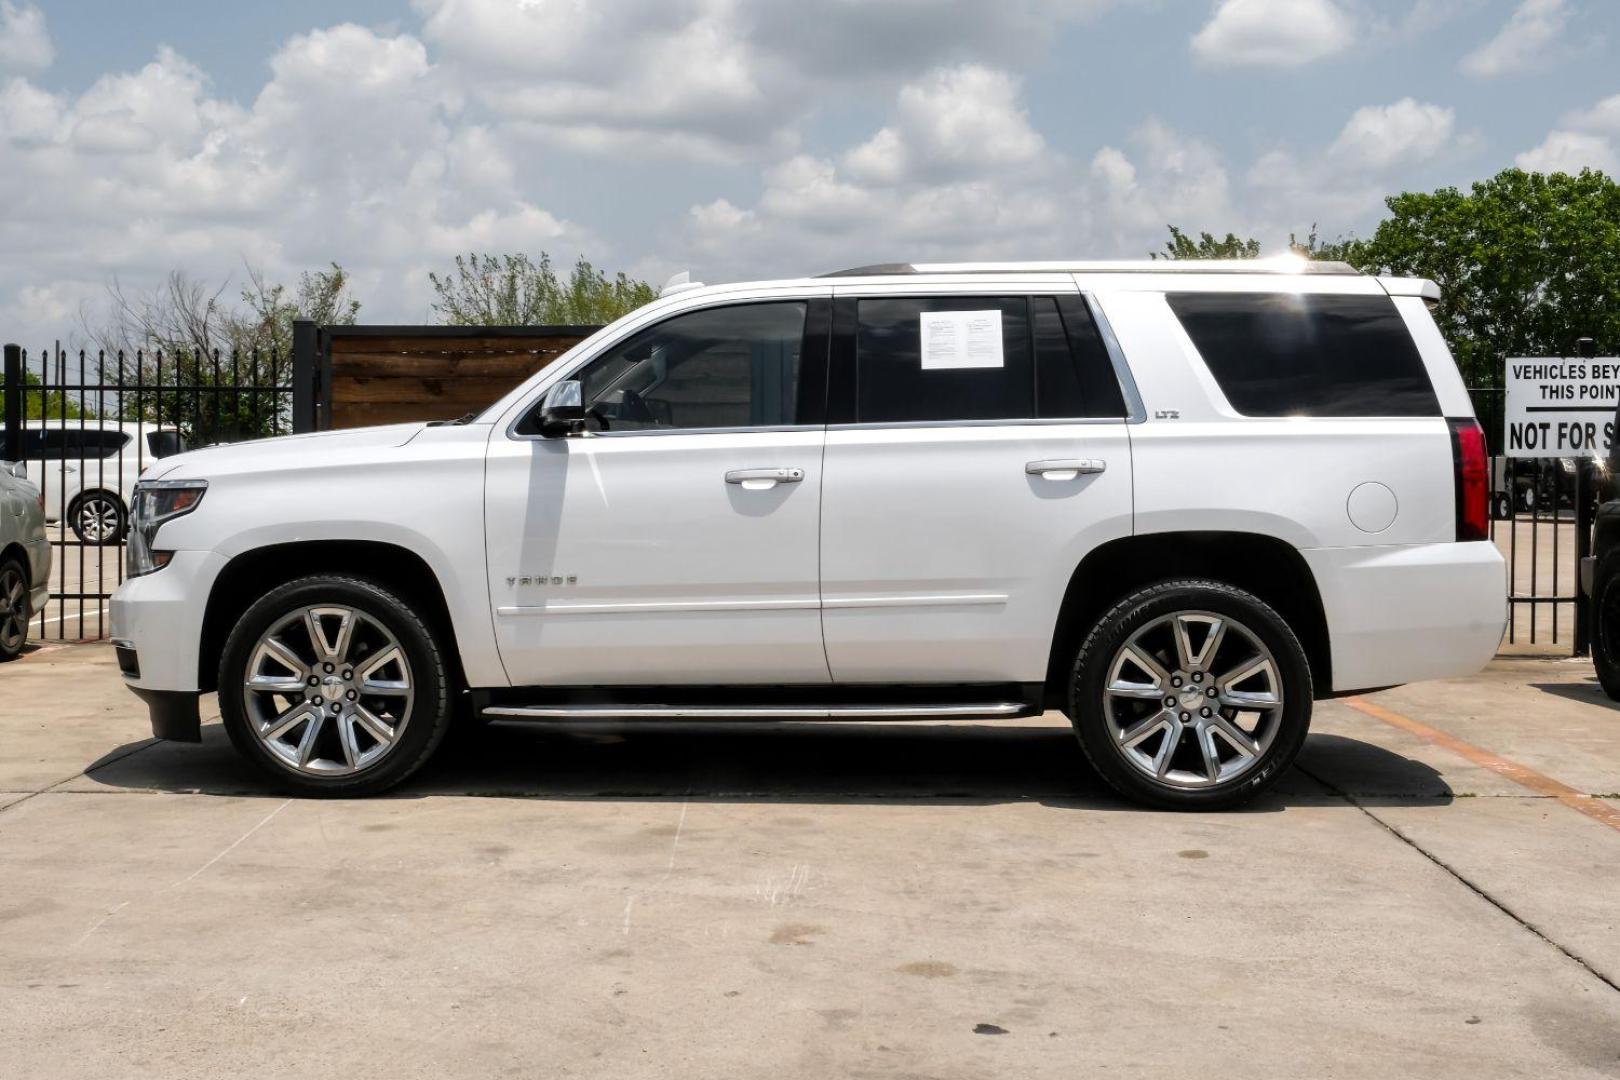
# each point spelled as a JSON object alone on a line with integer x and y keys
{"x": 50, "y": 405}
{"x": 1344, "y": 249}
{"x": 1182, "y": 246}
{"x": 215, "y": 362}
{"x": 515, "y": 290}
{"x": 1527, "y": 264}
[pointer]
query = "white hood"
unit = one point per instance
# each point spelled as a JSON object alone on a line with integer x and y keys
{"x": 282, "y": 452}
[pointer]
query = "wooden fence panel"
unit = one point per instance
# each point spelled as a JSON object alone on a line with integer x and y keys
{"x": 398, "y": 374}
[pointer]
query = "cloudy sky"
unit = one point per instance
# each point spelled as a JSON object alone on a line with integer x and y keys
{"x": 745, "y": 138}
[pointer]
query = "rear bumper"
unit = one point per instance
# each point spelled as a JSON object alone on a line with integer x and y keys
{"x": 1410, "y": 612}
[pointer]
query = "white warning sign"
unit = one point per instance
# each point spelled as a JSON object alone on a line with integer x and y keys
{"x": 1560, "y": 407}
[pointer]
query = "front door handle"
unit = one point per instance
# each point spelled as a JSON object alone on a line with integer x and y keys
{"x": 1065, "y": 468}
{"x": 761, "y": 479}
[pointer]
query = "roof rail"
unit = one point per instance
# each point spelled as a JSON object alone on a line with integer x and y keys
{"x": 1281, "y": 264}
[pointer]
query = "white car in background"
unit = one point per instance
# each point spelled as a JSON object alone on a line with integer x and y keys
{"x": 25, "y": 557}
{"x": 87, "y": 470}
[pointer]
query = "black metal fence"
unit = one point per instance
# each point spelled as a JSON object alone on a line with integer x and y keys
{"x": 86, "y": 424}
{"x": 1541, "y": 519}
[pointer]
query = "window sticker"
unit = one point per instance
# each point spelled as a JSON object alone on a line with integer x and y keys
{"x": 960, "y": 339}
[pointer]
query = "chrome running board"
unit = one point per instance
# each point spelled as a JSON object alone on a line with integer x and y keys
{"x": 985, "y": 711}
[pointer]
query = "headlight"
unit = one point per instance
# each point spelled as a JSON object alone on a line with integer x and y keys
{"x": 157, "y": 501}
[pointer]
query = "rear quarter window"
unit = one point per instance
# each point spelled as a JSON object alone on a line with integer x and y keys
{"x": 1281, "y": 354}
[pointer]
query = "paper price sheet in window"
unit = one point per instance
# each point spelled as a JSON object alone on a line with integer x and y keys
{"x": 960, "y": 339}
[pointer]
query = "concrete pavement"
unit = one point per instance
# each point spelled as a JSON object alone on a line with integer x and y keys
{"x": 954, "y": 900}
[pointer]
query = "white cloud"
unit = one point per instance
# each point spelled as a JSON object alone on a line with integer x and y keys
{"x": 714, "y": 80}
{"x": 1273, "y": 33}
{"x": 1585, "y": 139}
{"x": 25, "y": 42}
{"x": 1529, "y": 39}
{"x": 1379, "y": 137}
{"x": 953, "y": 122}
{"x": 1604, "y": 117}
{"x": 355, "y": 150}
{"x": 1570, "y": 152}
{"x": 1174, "y": 178}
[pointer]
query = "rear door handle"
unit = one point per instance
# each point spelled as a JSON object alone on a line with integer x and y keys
{"x": 760, "y": 479}
{"x": 1065, "y": 468}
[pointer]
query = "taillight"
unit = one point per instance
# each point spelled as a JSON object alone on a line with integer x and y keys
{"x": 1473, "y": 479}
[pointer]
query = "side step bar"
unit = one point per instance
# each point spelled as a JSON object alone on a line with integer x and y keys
{"x": 984, "y": 711}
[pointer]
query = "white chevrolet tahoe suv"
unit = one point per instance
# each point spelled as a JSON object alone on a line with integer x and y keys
{"x": 1178, "y": 502}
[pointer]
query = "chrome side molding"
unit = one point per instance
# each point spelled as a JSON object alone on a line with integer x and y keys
{"x": 981, "y": 711}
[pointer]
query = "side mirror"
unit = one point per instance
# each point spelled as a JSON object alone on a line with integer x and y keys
{"x": 562, "y": 412}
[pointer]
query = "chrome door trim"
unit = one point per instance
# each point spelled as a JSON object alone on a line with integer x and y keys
{"x": 1136, "y": 413}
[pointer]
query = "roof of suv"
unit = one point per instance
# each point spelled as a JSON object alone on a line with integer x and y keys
{"x": 1282, "y": 264}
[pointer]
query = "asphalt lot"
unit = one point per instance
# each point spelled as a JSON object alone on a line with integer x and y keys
{"x": 1432, "y": 893}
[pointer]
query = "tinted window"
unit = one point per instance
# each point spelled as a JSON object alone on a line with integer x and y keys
{"x": 892, "y": 384}
{"x": 163, "y": 444}
{"x": 1275, "y": 354}
{"x": 717, "y": 368}
{"x": 1074, "y": 376}
{"x": 71, "y": 444}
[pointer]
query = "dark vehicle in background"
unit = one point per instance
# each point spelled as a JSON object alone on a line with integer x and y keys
{"x": 1600, "y": 572}
{"x": 1532, "y": 485}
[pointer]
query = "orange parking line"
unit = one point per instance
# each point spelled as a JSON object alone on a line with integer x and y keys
{"x": 1523, "y": 775}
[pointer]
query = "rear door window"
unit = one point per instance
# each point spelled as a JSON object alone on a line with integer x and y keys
{"x": 1280, "y": 354}
{"x": 974, "y": 364}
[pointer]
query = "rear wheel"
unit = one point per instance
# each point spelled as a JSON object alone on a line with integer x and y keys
{"x": 1501, "y": 506}
{"x": 333, "y": 686}
{"x": 13, "y": 609}
{"x": 1191, "y": 695}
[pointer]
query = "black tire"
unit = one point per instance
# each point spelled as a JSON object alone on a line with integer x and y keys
{"x": 13, "y": 609}
{"x": 1089, "y": 710}
{"x": 1501, "y": 506}
{"x": 1605, "y": 624}
{"x": 107, "y": 508}
{"x": 431, "y": 708}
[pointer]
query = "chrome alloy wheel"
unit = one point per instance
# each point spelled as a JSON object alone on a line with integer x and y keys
{"x": 328, "y": 690}
{"x": 98, "y": 519}
{"x": 1193, "y": 699}
{"x": 13, "y": 609}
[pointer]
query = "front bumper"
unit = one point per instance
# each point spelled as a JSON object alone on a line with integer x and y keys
{"x": 160, "y": 615}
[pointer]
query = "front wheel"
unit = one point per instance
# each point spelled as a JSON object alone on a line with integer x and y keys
{"x": 13, "y": 609}
{"x": 333, "y": 686}
{"x": 98, "y": 518}
{"x": 1191, "y": 695}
